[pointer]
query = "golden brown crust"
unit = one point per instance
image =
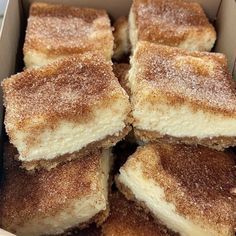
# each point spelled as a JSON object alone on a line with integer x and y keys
{"x": 62, "y": 30}
{"x": 218, "y": 143}
{"x": 127, "y": 219}
{"x": 169, "y": 22}
{"x": 121, "y": 72}
{"x": 49, "y": 164}
{"x": 56, "y": 10}
{"x": 45, "y": 193}
{"x": 198, "y": 79}
{"x": 196, "y": 179}
{"x": 70, "y": 89}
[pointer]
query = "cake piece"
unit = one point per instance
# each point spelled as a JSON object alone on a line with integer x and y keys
{"x": 174, "y": 23}
{"x": 121, "y": 72}
{"x": 189, "y": 188}
{"x": 64, "y": 107}
{"x": 56, "y": 31}
{"x": 183, "y": 96}
{"x": 49, "y": 202}
{"x": 127, "y": 219}
{"x": 121, "y": 38}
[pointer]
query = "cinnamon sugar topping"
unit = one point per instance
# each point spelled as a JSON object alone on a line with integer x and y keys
{"x": 66, "y": 89}
{"x": 168, "y": 22}
{"x": 44, "y": 193}
{"x": 195, "y": 77}
{"x": 58, "y": 29}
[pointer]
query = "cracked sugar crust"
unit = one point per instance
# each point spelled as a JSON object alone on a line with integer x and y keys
{"x": 199, "y": 79}
{"x": 68, "y": 89}
{"x": 62, "y": 30}
{"x": 169, "y": 22}
{"x": 44, "y": 193}
{"x": 198, "y": 180}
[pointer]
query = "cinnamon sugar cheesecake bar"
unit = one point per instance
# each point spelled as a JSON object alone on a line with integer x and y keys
{"x": 64, "y": 107}
{"x": 182, "y": 96}
{"x": 56, "y": 31}
{"x": 171, "y": 22}
{"x": 188, "y": 188}
{"x": 73, "y": 194}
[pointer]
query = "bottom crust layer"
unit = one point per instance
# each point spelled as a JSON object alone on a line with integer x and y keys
{"x": 219, "y": 143}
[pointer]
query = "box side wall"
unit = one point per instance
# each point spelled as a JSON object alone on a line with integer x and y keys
{"x": 226, "y": 28}
{"x": 9, "y": 40}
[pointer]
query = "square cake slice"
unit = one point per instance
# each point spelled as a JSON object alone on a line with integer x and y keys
{"x": 188, "y": 188}
{"x": 183, "y": 96}
{"x": 71, "y": 195}
{"x": 174, "y": 23}
{"x": 56, "y": 31}
{"x": 62, "y": 108}
{"x": 127, "y": 219}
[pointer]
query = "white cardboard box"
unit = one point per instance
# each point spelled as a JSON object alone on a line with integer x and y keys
{"x": 221, "y": 12}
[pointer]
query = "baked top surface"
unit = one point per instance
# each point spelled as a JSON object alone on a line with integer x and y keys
{"x": 168, "y": 21}
{"x": 68, "y": 89}
{"x": 44, "y": 193}
{"x": 196, "y": 179}
{"x": 199, "y": 79}
{"x": 127, "y": 219}
{"x": 59, "y": 29}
